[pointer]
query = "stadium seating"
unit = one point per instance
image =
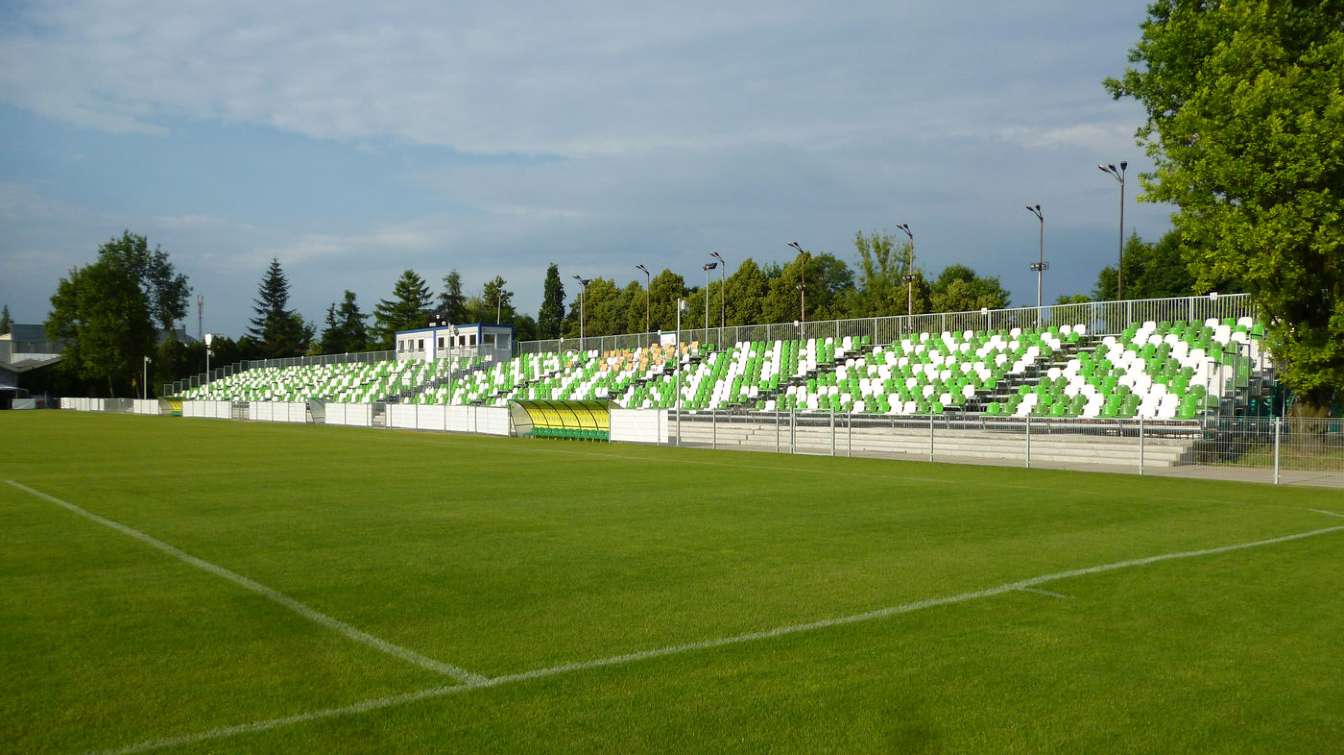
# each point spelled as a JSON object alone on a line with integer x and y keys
{"x": 1159, "y": 370}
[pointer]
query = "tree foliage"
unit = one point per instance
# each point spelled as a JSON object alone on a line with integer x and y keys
{"x": 408, "y": 308}
{"x": 5, "y": 322}
{"x": 277, "y": 330}
{"x": 452, "y": 303}
{"x": 552, "y": 314}
{"x": 496, "y": 302}
{"x": 103, "y": 315}
{"x": 959, "y": 289}
{"x": 1245, "y": 125}
{"x": 346, "y": 328}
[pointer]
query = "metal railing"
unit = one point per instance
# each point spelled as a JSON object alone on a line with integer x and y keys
{"x": 1101, "y": 318}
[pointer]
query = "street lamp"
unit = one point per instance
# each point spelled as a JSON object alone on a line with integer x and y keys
{"x": 708, "y": 266}
{"x": 144, "y": 381}
{"x": 1041, "y": 266}
{"x": 583, "y": 296}
{"x": 801, "y": 285}
{"x": 648, "y": 292}
{"x": 909, "y": 272}
{"x": 723, "y": 292}
{"x": 676, "y": 365}
{"x": 499, "y": 303}
{"x": 1119, "y": 175}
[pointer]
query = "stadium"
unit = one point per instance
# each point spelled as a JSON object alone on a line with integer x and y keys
{"x": 820, "y": 502}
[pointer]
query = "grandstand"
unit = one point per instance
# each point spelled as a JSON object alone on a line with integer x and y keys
{"x": 1159, "y": 370}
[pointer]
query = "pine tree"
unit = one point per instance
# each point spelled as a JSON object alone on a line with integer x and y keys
{"x": 278, "y": 331}
{"x": 346, "y": 327}
{"x": 4, "y": 320}
{"x": 552, "y": 313}
{"x": 409, "y": 307}
{"x": 496, "y": 302}
{"x": 452, "y": 303}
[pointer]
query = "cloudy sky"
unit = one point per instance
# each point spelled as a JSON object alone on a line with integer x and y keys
{"x": 353, "y": 141}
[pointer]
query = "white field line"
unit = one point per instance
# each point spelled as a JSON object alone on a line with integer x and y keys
{"x": 1329, "y": 513}
{"x": 317, "y": 617}
{"x": 617, "y": 660}
{"x": 1047, "y": 593}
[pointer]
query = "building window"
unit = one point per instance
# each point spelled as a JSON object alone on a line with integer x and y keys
{"x": 421, "y": 345}
{"x": 401, "y": 345}
{"x": 488, "y": 340}
{"x": 471, "y": 340}
{"x": 440, "y": 342}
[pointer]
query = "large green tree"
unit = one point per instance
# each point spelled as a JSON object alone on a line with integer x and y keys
{"x": 347, "y": 328}
{"x": 664, "y": 291}
{"x": 883, "y": 264}
{"x": 747, "y": 289}
{"x": 452, "y": 302}
{"x": 496, "y": 301}
{"x": 102, "y": 314}
{"x": 958, "y": 289}
{"x": 1245, "y": 125}
{"x": 408, "y": 308}
{"x": 551, "y": 317}
{"x": 277, "y": 330}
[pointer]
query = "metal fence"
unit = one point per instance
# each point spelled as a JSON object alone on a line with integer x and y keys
{"x": 1101, "y": 318}
{"x": 1255, "y": 449}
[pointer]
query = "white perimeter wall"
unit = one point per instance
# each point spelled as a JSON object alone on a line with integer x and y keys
{"x": 487, "y": 420}
{"x": 141, "y": 406}
{"x": 277, "y": 411}
{"x": 639, "y": 425}
{"x": 210, "y": 409}
{"x": 357, "y": 415}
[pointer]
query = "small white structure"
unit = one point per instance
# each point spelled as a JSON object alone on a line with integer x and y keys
{"x": 441, "y": 340}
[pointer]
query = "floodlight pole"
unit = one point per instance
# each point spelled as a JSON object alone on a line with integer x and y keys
{"x": 1040, "y": 266}
{"x": 209, "y": 338}
{"x": 909, "y": 272}
{"x": 583, "y": 297}
{"x": 802, "y": 285}
{"x": 676, "y": 365}
{"x": 144, "y": 381}
{"x": 648, "y": 293}
{"x": 723, "y": 292}
{"x": 1119, "y": 175}
{"x": 708, "y": 267}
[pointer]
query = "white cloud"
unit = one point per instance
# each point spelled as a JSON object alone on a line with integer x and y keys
{"x": 1099, "y": 137}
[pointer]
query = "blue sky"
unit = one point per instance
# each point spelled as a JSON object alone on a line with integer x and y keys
{"x": 353, "y": 141}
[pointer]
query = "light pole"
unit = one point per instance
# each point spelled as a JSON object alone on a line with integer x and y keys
{"x": 583, "y": 300}
{"x": 708, "y": 267}
{"x": 209, "y": 337}
{"x": 723, "y": 292}
{"x": 499, "y": 303}
{"x": 676, "y": 365}
{"x": 1041, "y": 266}
{"x": 144, "y": 381}
{"x": 648, "y": 292}
{"x": 1119, "y": 175}
{"x": 801, "y": 285}
{"x": 909, "y": 272}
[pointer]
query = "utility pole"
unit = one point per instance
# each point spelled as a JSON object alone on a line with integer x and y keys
{"x": 583, "y": 300}
{"x": 708, "y": 267}
{"x": 648, "y": 292}
{"x": 723, "y": 292}
{"x": 1041, "y": 266}
{"x": 909, "y": 272}
{"x": 801, "y": 285}
{"x": 1119, "y": 175}
{"x": 200, "y": 317}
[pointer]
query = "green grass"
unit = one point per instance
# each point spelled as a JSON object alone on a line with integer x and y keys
{"x": 504, "y": 556}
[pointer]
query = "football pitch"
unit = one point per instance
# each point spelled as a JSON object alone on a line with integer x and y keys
{"x": 214, "y": 586}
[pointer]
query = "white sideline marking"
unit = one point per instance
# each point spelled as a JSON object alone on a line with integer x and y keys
{"x": 1329, "y": 513}
{"x": 406, "y": 654}
{"x": 616, "y": 660}
{"x": 1047, "y": 593}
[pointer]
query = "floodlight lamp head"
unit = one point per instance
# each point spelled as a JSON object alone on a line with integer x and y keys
{"x": 716, "y": 256}
{"x": 641, "y": 267}
{"x": 209, "y": 337}
{"x": 1123, "y": 165}
{"x": 710, "y": 266}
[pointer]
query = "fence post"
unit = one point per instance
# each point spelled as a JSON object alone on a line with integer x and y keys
{"x": 930, "y": 436}
{"x": 776, "y": 431}
{"x": 832, "y": 432}
{"x": 1278, "y": 425}
{"x": 793, "y": 429}
{"x": 849, "y": 432}
{"x": 714, "y": 428}
{"x": 1141, "y": 438}
{"x": 1028, "y": 441}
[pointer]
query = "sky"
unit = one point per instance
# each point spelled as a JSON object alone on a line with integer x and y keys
{"x": 353, "y": 141}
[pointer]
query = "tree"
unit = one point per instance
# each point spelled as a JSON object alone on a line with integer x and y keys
{"x": 664, "y": 291}
{"x": 5, "y": 322}
{"x": 747, "y": 289}
{"x": 600, "y": 309}
{"x": 407, "y": 309}
{"x": 1074, "y": 299}
{"x": 552, "y": 312}
{"x": 452, "y": 304}
{"x": 959, "y": 289}
{"x": 278, "y": 331}
{"x": 346, "y": 328}
{"x": 883, "y": 265}
{"x": 165, "y": 290}
{"x": 1152, "y": 271}
{"x": 102, "y": 314}
{"x": 1245, "y": 113}
{"x": 829, "y": 283}
{"x": 496, "y": 302}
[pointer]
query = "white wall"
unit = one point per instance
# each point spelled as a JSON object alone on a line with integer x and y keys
{"x": 639, "y": 425}
{"x": 210, "y": 409}
{"x": 141, "y": 406}
{"x": 356, "y": 415}
{"x": 487, "y": 420}
{"x": 277, "y": 411}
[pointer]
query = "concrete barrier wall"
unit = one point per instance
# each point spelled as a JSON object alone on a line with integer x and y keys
{"x": 142, "y": 406}
{"x": 208, "y": 409}
{"x": 487, "y": 420}
{"x": 639, "y": 426}
{"x": 278, "y": 411}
